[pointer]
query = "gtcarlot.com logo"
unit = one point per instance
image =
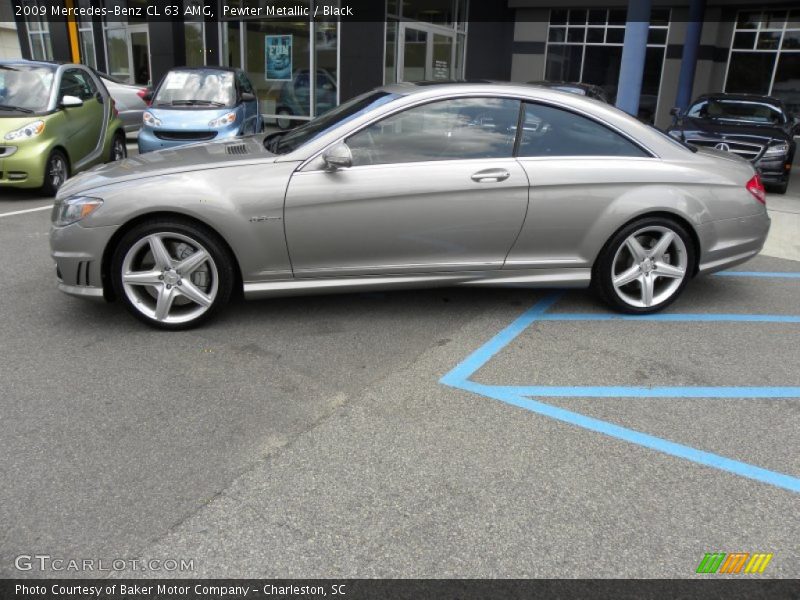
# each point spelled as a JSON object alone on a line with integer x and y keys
{"x": 45, "y": 562}
{"x": 734, "y": 563}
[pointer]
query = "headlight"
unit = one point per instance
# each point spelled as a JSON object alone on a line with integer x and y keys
{"x": 74, "y": 209}
{"x": 223, "y": 120}
{"x": 777, "y": 150}
{"x": 30, "y": 130}
{"x": 150, "y": 119}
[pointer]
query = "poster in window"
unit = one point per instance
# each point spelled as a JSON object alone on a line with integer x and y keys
{"x": 278, "y": 49}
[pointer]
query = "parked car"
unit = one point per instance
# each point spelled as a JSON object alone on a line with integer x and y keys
{"x": 197, "y": 105}
{"x": 295, "y": 96}
{"x": 583, "y": 89}
{"x": 757, "y": 128}
{"x": 55, "y": 120}
{"x": 412, "y": 186}
{"x": 130, "y": 100}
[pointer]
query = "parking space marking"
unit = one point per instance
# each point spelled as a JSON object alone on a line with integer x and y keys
{"x": 27, "y": 210}
{"x": 771, "y": 274}
{"x": 521, "y": 396}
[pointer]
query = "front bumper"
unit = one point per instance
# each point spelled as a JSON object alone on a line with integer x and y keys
{"x": 78, "y": 254}
{"x": 24, "y": 168}
{"x": 774, "y": 170}
{"x": 149, "y": 140}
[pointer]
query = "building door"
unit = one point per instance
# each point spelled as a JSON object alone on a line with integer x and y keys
{"x": 129, "y": 53}
{"x": 426, "y": 53}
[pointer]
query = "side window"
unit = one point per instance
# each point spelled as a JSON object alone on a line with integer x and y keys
{"x": 244, "y": 83}
{"x": 78, "y": 84}
{"x": 446, "y": 130}
{"x": 549, "y": 131}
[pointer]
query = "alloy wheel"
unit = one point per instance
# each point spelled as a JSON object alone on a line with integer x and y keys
{"x": 57, "y": 171}
{"x": 118, "y": 149}
{"x": 649, "y": 266}
{"x": 170, "y": 278}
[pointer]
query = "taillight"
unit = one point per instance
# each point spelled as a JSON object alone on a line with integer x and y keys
{"x": 756, "y": 187}
{"x": 114, "y": 108}
{"x": 143, "y": 95}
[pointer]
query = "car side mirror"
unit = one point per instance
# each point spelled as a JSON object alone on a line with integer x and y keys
{"x": 338, "y": 157}
{"x": 71, "y": 102}
{"x": 675, "y": 111}
{"x": 248, "y": 97}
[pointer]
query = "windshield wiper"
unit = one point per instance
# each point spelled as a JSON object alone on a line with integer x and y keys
{"x": 16, "y": 108}
{"x": 196, "y": 102}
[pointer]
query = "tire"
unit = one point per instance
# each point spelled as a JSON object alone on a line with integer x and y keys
{"x": 284, "y": 122}
{"x": 158, "y": 291}
{"x": 647, "y": 278}
{"x": 119, "y": 150}
{"x": 779, "y": 188}
{"x": 56, "y": 172}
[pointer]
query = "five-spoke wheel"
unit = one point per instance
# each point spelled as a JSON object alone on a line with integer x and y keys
{"x": 645, "y": 265}
{"x": 172, "y": 274}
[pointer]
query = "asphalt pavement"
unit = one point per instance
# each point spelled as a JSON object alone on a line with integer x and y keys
{"x": 383, "y": 435}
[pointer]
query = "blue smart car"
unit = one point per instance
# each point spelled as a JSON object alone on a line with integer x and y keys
{"x": 198, "y": 105}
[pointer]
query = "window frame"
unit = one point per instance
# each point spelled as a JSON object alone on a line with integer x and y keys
{"x": 309, "y": 162}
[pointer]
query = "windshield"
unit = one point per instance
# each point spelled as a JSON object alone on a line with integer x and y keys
{"x": 737, "y": 110}
{"x": 201, "y": 87}
{"x": 283, "y": 143}
{"x": 25, "y": 88}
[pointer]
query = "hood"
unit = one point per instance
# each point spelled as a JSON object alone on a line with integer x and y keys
{"x": 733, "y": 130}
{"x": 188, "y": 118}
{"x": 192, "y": 157}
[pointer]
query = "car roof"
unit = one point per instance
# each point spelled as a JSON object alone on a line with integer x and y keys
{"x": 742, "y": 98}
{"x": 40, "y": 63}
{"x": 206, "y": 68}
{"x": 478, "y": 85}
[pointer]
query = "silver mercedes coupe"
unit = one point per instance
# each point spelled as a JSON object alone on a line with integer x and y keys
{"x": 411, "y": 186}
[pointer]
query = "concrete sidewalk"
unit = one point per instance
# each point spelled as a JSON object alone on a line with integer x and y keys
{"x": 784, "y": 210}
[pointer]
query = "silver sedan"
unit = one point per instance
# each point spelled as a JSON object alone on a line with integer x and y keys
{"x": 411, "y": 186}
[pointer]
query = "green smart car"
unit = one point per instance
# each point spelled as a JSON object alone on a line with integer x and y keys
{"x": 55, "y": 120}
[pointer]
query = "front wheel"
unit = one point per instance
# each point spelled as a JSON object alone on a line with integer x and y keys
{"x": 56, "y": 172}
{"x": 645, "y": 266}
{"x": 172, "y": 274}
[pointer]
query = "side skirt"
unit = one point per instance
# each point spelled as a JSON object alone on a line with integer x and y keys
{"x": 532, "y": 278}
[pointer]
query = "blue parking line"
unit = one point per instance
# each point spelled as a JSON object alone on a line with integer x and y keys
{"x": 581, "y": 391}
{"x": 711, "y": 317}
{"x": 459, "y": 376}
{"x": 773, "y": 274}
{"x": 708, "y": 459}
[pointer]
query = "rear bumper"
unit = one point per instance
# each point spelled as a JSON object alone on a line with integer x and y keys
{"x": 730, "y": 242}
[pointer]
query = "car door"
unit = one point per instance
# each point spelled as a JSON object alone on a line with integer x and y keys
{"x": 84, "y": 123}
{"x": 432, "y": 188}
{"x": 250, "y": 108}
{"x": 577, "y": 168}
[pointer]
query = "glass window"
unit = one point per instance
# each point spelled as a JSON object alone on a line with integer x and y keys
{"x": 76, "y": 83}
{"x": 118, "y": 61}
{"x": 326, "y": 93}
{"x": 787, "y": 81}
{"x": 750, "y": 72}
{"x": 244, "y": 82}
{"x": 549, "y": 131}
{"x": 27, "y": 87}
{"x": 457, "y": 129}
{"x": 277, "y": 61}
{"x": 198, "y": 87}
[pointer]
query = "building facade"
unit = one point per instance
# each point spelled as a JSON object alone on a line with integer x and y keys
{"x": 301, "y": 68}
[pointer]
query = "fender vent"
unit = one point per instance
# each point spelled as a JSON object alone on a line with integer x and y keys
{"x": 236, "y": 149}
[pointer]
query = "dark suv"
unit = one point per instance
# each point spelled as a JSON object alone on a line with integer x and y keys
{"x": 757, "y": 128}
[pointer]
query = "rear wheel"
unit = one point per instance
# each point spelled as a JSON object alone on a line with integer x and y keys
{"x": 56, "y": 172}
{"x": 119, "y": 150}
{"x": 172, "y": 274}
{"x": 645, "y": 265}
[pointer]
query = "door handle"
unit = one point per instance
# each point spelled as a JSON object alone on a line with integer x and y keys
{"x": 491, "y": 176}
